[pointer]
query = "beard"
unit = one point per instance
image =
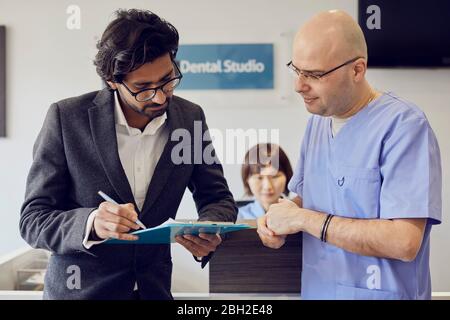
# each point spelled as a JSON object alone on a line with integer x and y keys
{"x": 151, "y": 113}
{"x": 149, "y": 109}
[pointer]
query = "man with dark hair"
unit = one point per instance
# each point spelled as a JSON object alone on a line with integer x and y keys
{"x": 118, "y": 140}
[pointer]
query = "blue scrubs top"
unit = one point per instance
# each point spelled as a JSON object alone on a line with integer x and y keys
{"x": 251, "y": 211}
{"x": 383, "y": 164}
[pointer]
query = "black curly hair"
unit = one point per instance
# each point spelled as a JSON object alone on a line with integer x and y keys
{"x": 133, "y": 39}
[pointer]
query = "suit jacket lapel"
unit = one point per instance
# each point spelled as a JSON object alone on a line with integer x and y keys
{"x": 102, "y": 124}
{"x": 165, "y": 164}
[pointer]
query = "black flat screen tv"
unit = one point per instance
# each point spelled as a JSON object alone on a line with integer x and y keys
{"x": 405, "y": 33}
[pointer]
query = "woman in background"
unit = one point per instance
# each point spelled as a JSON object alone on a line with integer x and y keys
{"x": 265, "y": 173}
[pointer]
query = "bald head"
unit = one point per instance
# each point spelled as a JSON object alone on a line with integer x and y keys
{"x": 330, "y": 37}
{"x": 328, "y": 44}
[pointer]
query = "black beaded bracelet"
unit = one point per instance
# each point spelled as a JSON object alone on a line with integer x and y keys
{"x": 325, "y": 227}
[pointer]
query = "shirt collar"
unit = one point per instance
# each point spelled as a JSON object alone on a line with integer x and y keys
{"x": 150, "y": 129}
{"x": 257, "y": 208}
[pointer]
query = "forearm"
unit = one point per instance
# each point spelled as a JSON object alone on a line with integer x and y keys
{"x": 369, "y": 237}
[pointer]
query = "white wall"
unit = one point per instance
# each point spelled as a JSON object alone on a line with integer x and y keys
{"x": 48, "y": 62}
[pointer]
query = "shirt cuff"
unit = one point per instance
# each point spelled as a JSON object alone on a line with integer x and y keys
{"x": 89, "y": 225}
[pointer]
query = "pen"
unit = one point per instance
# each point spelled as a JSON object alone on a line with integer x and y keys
{"x": 109, "y": 199}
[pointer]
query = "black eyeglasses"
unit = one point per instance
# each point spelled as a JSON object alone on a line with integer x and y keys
{"x": 316, "y": 75}
{"x": 150, "y": 93}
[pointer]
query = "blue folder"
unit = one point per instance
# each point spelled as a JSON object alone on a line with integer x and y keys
{"x": 167, "y": 232}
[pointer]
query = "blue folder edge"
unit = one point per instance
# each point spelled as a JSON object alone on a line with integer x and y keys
{"x": 167, "y": 233}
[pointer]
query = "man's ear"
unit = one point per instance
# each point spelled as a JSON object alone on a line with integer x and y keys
{"x": 359, "y": 70}
{"x": 112, "y": 85}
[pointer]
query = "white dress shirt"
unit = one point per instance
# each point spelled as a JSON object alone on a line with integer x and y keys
{"x": 139, "y": 152}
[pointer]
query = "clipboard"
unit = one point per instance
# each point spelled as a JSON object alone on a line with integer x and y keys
{"x": 166, "y": 232}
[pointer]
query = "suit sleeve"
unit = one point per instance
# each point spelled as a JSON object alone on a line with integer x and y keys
{"x": 209, "y": 188}
{"x": 46, "y": 221}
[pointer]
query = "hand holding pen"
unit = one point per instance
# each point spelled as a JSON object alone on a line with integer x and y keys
{"x": 115, "y": 220}
{"x": 109, "y": 199}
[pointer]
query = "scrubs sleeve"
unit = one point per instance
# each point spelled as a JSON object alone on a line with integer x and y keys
{"x": 296, "y": 183}
{"x": 411, "y": 173}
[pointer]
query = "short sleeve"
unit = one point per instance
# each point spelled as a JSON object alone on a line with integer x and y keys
{"x": 296, "y": 183}
{"x": 411, "y": 173}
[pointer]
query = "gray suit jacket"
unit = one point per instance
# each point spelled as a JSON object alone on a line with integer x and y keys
{"x": 74, "y": 156}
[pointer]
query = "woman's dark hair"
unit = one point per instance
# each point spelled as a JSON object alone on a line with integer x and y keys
{"x": 133, "y": 39}
{"x": 263, "y": 155}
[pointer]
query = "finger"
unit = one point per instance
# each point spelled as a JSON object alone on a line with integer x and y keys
{"x": 275, "y": 244}
{"x": 263, "y": 227}
{"x": 195, "y": 249}
{"x": 114, "y": 227}
{"x": 267, "y": 238}
{"x": 189, "y": 245}
{"x": 181, "y": 241}
{"x": 209, "y": 244}
{"x": 130, "y": 208}
{"x": 272, "y": 242}
{"x": 110, "y": 217}
{"x": 263, "y": 236}
{"x": 127, "y": 211}
{"x": 198, "y": 241}
{"x": 122, "y": 236}
{"x": 113, "y": 218}
{"x": 215, "y": 239}
{"x": 109, "y": 207}
{"x": 124, "y": 210}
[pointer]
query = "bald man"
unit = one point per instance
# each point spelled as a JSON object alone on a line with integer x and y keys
{"x": 369, "y": 175}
